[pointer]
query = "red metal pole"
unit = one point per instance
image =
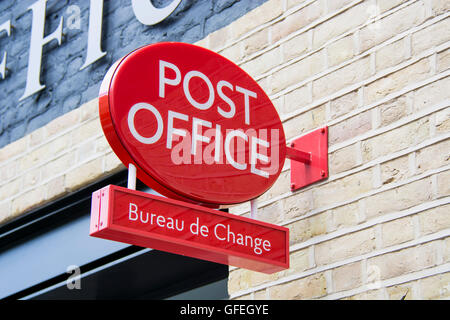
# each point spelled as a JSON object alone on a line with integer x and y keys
{"x": 298, "y": 155}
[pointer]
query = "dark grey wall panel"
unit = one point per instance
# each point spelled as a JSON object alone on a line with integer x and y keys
{"x": 67, "y": 87}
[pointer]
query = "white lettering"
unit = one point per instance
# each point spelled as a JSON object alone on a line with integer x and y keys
{"x": 247, "y": 94}
{"x": 132, "y": 210}
{"x": 73, "y": 21}
{"x": 201, "y": 106}
{"x": 131, "y": 114}
{"x": 94, "y": 46}
{"x": 148, "y": 14}
{"x": 170, "y": 130}
{"x": 196, "y": 136}
{"x": 6, "y": 26}
{"x": 255, "y": 155}
{"x": 162, "y": 77}
{"x": 230, "y": 135}
{"x": 38, "y": 41}
{"x": 226, "y": 114}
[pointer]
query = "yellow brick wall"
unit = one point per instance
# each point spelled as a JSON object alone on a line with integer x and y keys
{"x": 376, "y": 72}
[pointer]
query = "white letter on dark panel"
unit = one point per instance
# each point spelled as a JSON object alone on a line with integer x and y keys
{"x": 4, "y": 27}
{"x": 148, "y": 14}
{"x": 94, "y": 48}
{"x": 37, "y": 42}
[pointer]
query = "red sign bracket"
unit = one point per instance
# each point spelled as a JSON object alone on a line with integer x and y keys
{"x": 309, "y": 158}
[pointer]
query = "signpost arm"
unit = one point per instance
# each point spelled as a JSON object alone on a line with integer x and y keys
{"x": 253, "y": 208}
{"x": 309, "y": 158}
{"x": 131, "y": 177}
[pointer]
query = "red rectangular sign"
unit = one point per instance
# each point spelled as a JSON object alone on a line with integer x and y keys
{"x": 169, "y": 225}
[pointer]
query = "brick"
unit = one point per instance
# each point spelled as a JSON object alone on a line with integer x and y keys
{"x": 83, "y": 174}
{"x": 385, "y": 5}
{"x": 89, "y": 111}
{"x": 343, "y": 159}
{"x": 263, "y": 63}
{"x": 446, "y": 255}
{"x": 55, "y": 188}
{"x": 219, "y": 38}
{"x": 347, "y": 277}
{"x": 298, "y": 261}
{"x": 436, "y": 287}
{"x": 402, "y": 291}
{"x": 341, "y": 78}
{"x": 86, "y": 131}
{"x": 399, "y": 198}
{"x": 298, "y": 71}
{"x": 296, "y": 99}
{"x": 13, "y": 149}
{"x": 63, "y": 122}
{"x": 440, "y": 6}
{"x": 421, "y": 39}
{"x": 259, "y": 295}
{"x": 394, "y": 110}
{"x": 346, "y": 216}
{"x": 368, "y": 295}
{"x": 11, "y": 188}
{"x": 298, "y": 204}
{"x": 344, "y": 104}
{"x": 8, "y": 171}
{"x": 397, "y": 231}
{"x": 112, "y": 164}
{"x": 58, "y": 165}
{"x": 350, "y": 128}
{"x": 238, "y": 279}
{"x": 263, "y": 14}
{"x": 254, "y": 43}
{"x": 5, "y": 211}
{"x": 431, "y": 94}
{"x": 272, "y": 213}
{"x": 397, "y": 139}
{"x": 342, "y": 189}
{"x": 443, "y": 60}
{"x": 434, "y": 220}
{"x": 27, "y": 201}
{"x": 442, "y": 121}
{"x": 306, "y": 121}
{"x": 397, "y": 80}
{"x": 313, "y": 286}
{"x": 391, "y": 54}
{"x": 395, "y": 170}
{"x": 45, "y": 152}
{"x": 334, "y": 5}
{"x": 443, "y": 184}
{"x": 281, "y": 186}
{"x": 295, "y": 46}
{"x": 341, "y": 23}
{"x": 102, "y": 145}
{"x": 296, "y": 20}
{"x": 85, "y": 150}
{"x": 394, "y": 264}
{"x": 37, "y": 137}
{"x": 340, "y": 50}
{"x": 344, "y": 247}
{"x": 258, "y": 278}
{"x": 391, "y": 25}
{"x": 32, "y": 178}
{"x": 307, "y": 228}
{"x": 433, "y": 157}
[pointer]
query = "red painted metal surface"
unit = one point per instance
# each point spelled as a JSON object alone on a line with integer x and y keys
{"x": 195, "y": 125}
{"x": 304, "y": 172}
{"x": 146, "y": 220}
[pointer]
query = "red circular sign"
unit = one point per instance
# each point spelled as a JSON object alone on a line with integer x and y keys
{"x": 196, "y": 126}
